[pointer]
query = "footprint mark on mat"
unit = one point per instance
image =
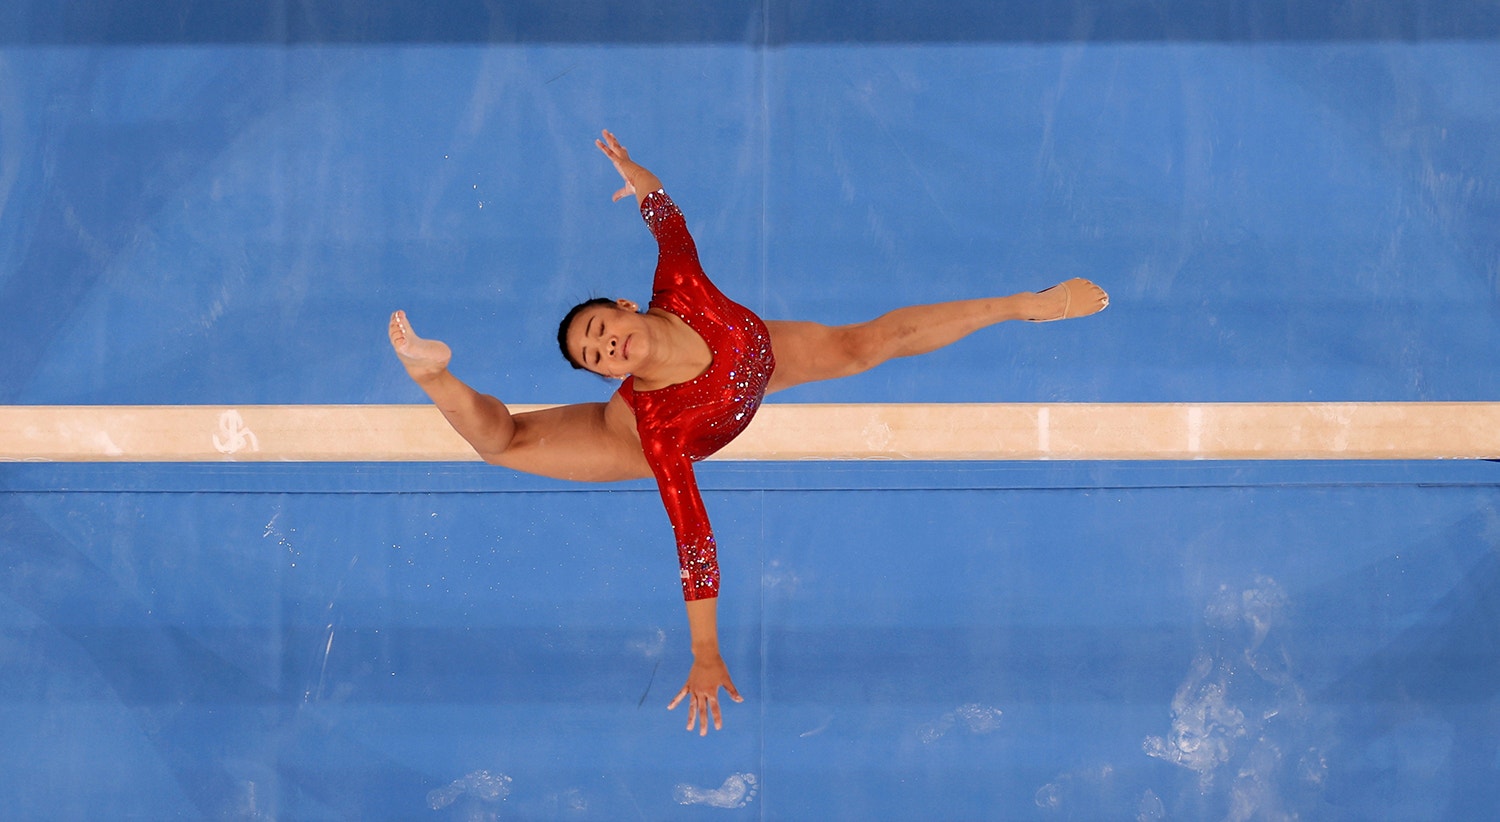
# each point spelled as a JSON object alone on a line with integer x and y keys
{"x": 479, "y": 786}
{"x": 736, "y": 792}
{"x": 975, "y": 718}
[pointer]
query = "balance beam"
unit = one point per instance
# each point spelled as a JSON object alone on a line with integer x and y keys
{"x": 1067, "y": 431}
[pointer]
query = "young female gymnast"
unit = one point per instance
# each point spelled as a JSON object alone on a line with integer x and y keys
{"x": 694, "y": 367}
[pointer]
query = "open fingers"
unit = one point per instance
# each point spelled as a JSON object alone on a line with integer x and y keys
{"x": 713, "y": 706}
{"x": 611, "y": 146}
{"x": 703, "y": 704}
{"x": 698, "y": 712}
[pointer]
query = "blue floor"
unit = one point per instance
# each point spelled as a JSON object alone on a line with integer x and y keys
{"x": 210, "y": 203}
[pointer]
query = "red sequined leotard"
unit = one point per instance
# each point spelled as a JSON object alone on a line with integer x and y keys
{"x": 681, "y": 424}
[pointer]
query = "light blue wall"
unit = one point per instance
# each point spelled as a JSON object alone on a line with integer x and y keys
{"x": 211, "y": 203}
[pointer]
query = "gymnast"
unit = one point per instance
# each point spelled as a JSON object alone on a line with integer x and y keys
{"x": 693, "y": 367}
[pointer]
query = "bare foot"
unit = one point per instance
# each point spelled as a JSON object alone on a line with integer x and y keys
{"x": 1074, "y": 298}
{"x": 422, "y": 358}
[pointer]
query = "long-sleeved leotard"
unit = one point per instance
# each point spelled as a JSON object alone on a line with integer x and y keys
{"x": 681, "y": 424}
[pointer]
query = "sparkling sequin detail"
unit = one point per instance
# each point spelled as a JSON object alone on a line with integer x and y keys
{"x": 681, "y": 424}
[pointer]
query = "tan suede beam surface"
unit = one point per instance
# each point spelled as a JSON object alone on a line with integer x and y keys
{"x": 1170, "y": 431}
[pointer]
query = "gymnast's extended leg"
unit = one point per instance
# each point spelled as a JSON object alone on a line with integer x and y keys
{"x": 808, "y": 352}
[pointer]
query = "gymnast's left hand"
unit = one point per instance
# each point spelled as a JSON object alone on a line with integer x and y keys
{"x": 709, "y": 673}
{"x": 618, "y": 155}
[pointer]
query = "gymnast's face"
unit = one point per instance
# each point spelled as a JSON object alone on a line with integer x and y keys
{"x": 609, "y": 340}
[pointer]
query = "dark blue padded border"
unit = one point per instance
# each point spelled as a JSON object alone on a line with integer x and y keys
{"x": 440, "y": 478}
{"x": 119, "y": 22}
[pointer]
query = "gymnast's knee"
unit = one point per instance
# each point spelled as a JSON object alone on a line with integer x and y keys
{"x": 857, "y": 348}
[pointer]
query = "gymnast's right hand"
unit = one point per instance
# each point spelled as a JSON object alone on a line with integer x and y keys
{"x": 709, "y": 673}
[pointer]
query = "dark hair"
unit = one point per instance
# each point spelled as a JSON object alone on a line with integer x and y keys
{"x": 562, "y": 329}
